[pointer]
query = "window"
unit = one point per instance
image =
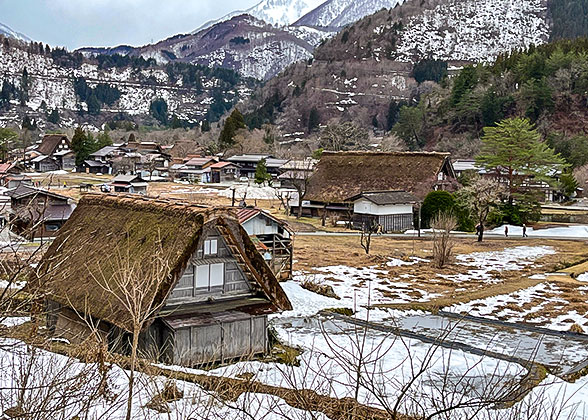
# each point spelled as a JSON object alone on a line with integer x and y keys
{"x": 210, "y": 247}
{"x": 51, "y": 228}
{"x": 210, "y": 276}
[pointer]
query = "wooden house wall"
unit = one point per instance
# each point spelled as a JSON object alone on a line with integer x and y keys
{"x": 221, "y": 341}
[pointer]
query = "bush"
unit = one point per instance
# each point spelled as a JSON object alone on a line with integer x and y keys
{"x": 436, "y": 202}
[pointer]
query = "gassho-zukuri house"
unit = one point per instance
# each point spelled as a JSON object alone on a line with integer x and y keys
{"x": 399, "y": 179}
{"x": 211, "y": 289}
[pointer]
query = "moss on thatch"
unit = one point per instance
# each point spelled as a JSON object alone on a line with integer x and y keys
{"x": 107, "y": 233}
{"x": 342, "y": 175}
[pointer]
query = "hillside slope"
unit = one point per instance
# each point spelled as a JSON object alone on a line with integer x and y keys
{"x": 73, "y": 85}
{"x": 11, "y": 33}
{"x": 243, "y": 43}
{"x": 358, "y": 73}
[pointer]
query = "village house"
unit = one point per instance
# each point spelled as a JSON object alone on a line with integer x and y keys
{"x": 130, "y": 184}
{"x": 45, "y": 163}
{"x": 273, "y": 239}
{"x": 223, "y": 172}
{"x": 340, "y": 176}
{"x": 38, "y": 213}
{"x": 248, "y": 163}
{"x": 66, "y": 159}
{"x": 95, "y": 167}
{"x": 546, "y": 191}
{"x": 48, "y": 155}
{"x": 195, "y": 169}
{"x": 210, "y": 290}
{"x": 385, "y": 211}
{"x": 295, "y": 172}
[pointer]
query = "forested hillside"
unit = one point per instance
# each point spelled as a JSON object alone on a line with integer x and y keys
{"x": 51, "y": 87}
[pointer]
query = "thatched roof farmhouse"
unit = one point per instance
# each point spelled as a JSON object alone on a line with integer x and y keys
{"x": 342, "y": 175}
{"x": 196, "y": 265}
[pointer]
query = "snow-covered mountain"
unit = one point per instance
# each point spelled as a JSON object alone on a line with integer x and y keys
{"x": 53, "y": 84}
{"x": 338, "y": 13}
{"x": 356, "y": 74}
{"x": 274, "y": 12}
{"x": 245, "y": 44}
{"x": 11, "y": 33}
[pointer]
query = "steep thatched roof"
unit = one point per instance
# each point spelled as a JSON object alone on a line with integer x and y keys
{"x": 107, "y": 233}
{"x": 340, "y": 176}
{"x": 51, "y": 142}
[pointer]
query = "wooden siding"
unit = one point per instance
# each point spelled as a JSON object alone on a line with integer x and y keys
{"x": 233, "y": 280}
{"x": 391, "y": 223}
{"x": 221, "y": 341}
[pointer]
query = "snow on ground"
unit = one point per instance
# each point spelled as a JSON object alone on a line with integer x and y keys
{"x": 14, "y": 321}
{"x": 525, "y": 305}
{"x": 251, "y": 192}
{"x": 583, "y": 277}
{"x": 65, "y": 387}
{"x": 579, "y": 231}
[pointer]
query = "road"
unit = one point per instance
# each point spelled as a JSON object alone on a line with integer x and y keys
{"x": 487, "y": 236}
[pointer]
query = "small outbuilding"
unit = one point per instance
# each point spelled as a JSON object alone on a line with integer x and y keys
{"x": 273, "y": 239}
{"x": 206, "y": 290}
{"x": 131, "y": 184}
{"x": 388, "y": 211}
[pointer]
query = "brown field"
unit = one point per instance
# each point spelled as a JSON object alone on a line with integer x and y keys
{"x": 312, "y": 252}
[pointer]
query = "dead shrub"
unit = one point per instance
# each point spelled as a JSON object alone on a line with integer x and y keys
{"x": 313, "y": 285}
{"x": 576, "y": 328}
{"x": 443, "y": 243}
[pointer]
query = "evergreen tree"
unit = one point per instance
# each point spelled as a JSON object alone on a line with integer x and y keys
{"x": 102, "y": 140}
{"x": 25, "y": 84}
{"x": 158, "y": 110}
{"x": 93, "y": 104}
{"x": 261, "y": 174}
{"x": 233, "y": 123}
{"x": 53, "y": 117}
{"x": 6, "y": 136}
{"x": 514, "y": 148}
{"x": 205, "y": 126}
{"x": 314, "y": 119}
{"x": 83, "y": 144}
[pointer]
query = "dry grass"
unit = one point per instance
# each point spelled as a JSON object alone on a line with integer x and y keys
{"x": 312, "y": 252}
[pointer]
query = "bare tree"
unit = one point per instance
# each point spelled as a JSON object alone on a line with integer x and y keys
{"x": 479, "y": 198}
{"x": 134, "y": 289}
{"x": 367, "y": 229}
{"x": 343, "y": 137}
{"x": 443, "y": 243}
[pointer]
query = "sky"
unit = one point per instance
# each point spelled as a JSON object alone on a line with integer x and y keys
{"x": 80, "y": 23}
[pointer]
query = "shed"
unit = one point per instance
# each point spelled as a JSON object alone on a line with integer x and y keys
{"x": 209, "y": 289}
{"x": 132, "y": 184}
{"x": 393, "y": 211}
{"x": 272, "y": 237}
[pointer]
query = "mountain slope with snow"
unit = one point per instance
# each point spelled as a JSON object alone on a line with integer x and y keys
{"x": 244, "y": 44}
{"x": 339, "y": 13}
{"x": 367, "y": 65}
{"x": 11, "y": 33}
{"x": 274, "y": 12}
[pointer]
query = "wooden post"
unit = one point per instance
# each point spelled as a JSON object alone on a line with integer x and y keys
{"x": 419, "y": 221}
{"x": 233, "y": 199}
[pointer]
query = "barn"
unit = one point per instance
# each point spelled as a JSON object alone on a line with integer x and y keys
{"x": 205, "y": 290}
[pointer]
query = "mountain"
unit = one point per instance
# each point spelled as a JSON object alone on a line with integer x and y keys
{"x": 339, "y": 13}
{"x": 244, "y": 44}
{"x": 357, "y": 74}
{"x": 274, "y": 12}
{"x": 102, "y": 89}
{"x": 10, "y": 33}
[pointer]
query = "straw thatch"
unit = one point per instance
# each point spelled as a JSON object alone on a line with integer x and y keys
{"x": 106, "y": 231}
{"x": 342, "y": 175}
{"x": 51, "y": 142}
